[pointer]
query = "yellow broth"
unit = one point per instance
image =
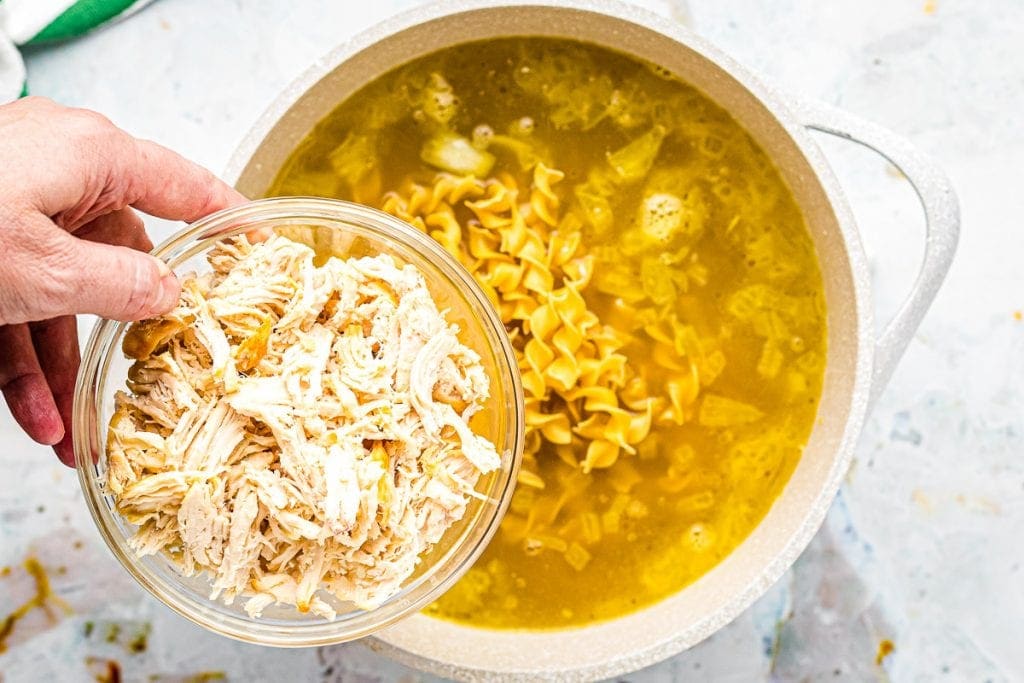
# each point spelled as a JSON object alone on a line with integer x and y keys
{"x": 695, "y": 260}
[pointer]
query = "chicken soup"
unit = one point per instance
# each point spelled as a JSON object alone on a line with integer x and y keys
{"x": 659, "y": 285}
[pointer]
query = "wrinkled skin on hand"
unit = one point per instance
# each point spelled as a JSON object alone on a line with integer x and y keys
{"x": 71, "y": 242}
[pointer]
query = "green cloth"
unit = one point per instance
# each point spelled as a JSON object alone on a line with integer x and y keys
{"x": 80, "y": 18}
{"x": 32, "y": 22}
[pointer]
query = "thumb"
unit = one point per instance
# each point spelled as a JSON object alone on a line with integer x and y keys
{"x": 117, "y": 282}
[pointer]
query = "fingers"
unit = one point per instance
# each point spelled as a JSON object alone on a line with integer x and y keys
{"x": 166, "y": 184}
{"x": 124, "y": 228}
{"x": 56, "y": 348}
{"x": 114, "y": 282}
{"x": 24, "y": 387}
{"x": 38, "y": 368}
{"x": 47, "y": 273}
{"x": 92, "y": 168}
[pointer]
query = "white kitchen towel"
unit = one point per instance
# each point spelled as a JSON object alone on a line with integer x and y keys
{"x": 31, "y": 22}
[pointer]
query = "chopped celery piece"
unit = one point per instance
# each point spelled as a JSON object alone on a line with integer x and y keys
{"x": 584, "y": 106}
{"x": 312, "y": 183}
{"x": 572, "y": 85}
{"x": 577, "y": 556}
{"x": 696, "y": 210}
{"x": 593, "y": 198}
{"x": 633, "y": 161}
{"x": 354, "y": 158}
{"x": 618, "y": 279}
{"x": 472, "y": 590}
{"x": 770, "y": 363}
{"x": 383, "y": 111}
{"x": 527, "y": 154}
{"x": 455, "y": 154}
{"x": 657, "y": 281}
{"x": 603, "y": 180}
{"x": 675, "y": 180}
{"x": 719, "y": 411}
{"x": 597, "y": 211}
{"x": 629, "y": 106}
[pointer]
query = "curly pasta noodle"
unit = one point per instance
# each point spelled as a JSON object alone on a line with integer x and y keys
{"x": 529, "y": 259}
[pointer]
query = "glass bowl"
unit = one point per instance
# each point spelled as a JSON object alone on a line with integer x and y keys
{"x": 332, "y": 228}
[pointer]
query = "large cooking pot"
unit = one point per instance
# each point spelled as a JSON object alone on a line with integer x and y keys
{"x": 858, "y": 364}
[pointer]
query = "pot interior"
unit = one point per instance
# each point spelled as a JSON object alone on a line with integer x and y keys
{"x": 667, "y": 627}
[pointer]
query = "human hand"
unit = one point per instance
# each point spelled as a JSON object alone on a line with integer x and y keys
{"x": 70, "y": 243}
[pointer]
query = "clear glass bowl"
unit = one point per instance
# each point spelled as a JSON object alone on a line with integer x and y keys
{"x": 342, "y": 229}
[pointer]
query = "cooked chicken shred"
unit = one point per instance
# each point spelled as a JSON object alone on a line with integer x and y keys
{"x": 297, "y": 431}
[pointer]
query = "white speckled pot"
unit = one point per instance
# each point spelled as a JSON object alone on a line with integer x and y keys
{"x": 858, "y": 364}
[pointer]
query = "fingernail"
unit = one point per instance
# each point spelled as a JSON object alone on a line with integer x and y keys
{"x": 53, "y": 438}
{"x": 170, "y": 291}
{"x": 163, "y": 268}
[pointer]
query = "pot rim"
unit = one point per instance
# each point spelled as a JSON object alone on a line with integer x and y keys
{"x": 784, "y": 115}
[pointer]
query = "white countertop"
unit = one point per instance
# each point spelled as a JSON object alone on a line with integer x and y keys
{"x": 925, "y": 543}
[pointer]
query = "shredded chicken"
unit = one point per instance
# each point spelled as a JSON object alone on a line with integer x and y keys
{"x": 297, "y": 431}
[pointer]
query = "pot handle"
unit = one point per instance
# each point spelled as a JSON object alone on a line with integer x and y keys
{"x": 942, "y": 224}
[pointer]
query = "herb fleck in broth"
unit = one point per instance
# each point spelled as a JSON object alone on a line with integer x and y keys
{"x": 674, "y": 372}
